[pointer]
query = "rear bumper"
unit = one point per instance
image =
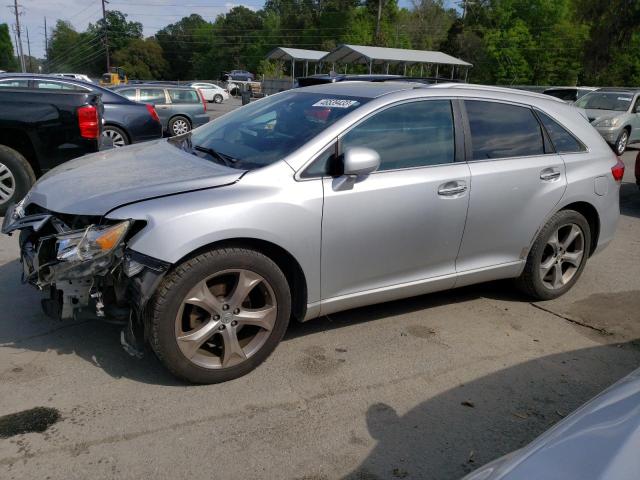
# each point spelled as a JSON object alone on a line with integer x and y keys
{"x": 199, "y": 120}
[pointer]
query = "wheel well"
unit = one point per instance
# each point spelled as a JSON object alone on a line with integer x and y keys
{"x": 120, "y": 127}
{"x": 591, "y": 214}
{"x": 285, "y": 261}
{"x": 21, "y": 143}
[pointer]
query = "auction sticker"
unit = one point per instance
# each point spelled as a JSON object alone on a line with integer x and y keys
{"x": 335, "y": 103}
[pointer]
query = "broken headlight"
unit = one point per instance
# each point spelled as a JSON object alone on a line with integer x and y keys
{"x": 93, "y": 242}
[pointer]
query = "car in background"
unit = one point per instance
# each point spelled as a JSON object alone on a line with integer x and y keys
{"x": 615, "y": 113}
{"x": 637, "y": 169}
{"x": 180, "y": 109}
{"x": 125, "y": 121}
{"x": 39, "y": 130}
{"x": 599, "y": 441}
{"x": 75, "y": 76}
{"x": 568, "y": 94}
{"x": 211, "y": 92}
{"x": 241, "y": 75}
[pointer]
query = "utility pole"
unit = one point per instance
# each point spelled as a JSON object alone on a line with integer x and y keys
{"x": 19, "y": 46}
{"x": 106, "y": 35}
{"x": 46, "y": 38}
{"x": 378, "y": 22}
{"x": 29, "y": 51}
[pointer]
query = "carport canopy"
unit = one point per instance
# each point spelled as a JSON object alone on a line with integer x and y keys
{"x": 354, "y": 54}
{"x": 296, "y": 55}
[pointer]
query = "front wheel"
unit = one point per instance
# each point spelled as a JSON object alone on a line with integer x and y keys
{"x": 558, "y": 256}
{"x": 16, "y": 177}
{"x": 219, "y": 315}
{"x": 621, "y": 143}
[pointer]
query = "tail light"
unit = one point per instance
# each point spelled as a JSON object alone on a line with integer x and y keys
{"x": 88, "y": 122}
{"x": 618, "y": 171}
{"x": 204, "y": 102}
{"x": 152, "y": 111}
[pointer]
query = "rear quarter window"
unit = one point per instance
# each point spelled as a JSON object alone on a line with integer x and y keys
{"x": 563, "y": 141}
{"x": 184, "y": 96}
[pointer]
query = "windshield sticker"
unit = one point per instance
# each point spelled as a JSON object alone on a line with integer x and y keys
{"x": 626, "y": 99}
{"x": 335, "y": 103}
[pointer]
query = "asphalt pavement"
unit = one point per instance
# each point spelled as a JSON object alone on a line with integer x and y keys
{"x": 425, "y": 388}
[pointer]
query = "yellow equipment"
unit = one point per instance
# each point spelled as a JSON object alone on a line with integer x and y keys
{"x": 115, "y": 77}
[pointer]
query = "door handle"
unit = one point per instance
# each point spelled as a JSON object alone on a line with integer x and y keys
{"x": 451, "y": 189}
{"x": 549, "y": 174}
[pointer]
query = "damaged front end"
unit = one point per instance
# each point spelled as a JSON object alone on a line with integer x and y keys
{"x": 85, "y": 268}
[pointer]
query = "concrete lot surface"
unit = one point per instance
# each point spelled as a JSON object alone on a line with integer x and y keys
{"x": 426, "y": 388}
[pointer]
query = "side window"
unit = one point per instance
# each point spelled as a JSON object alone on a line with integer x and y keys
{"x": 499, "y": 130}
{"x": 183, "y": 96}
{"x": 130, "y": 93}
{"x": 14, "y": 83}
{"x": 415, "y": 134}
{"x": 152, "y": 95}
{"x": 322, "y": 165}
{"x": 49, "y": 85}
{"x": 562, "y": 140}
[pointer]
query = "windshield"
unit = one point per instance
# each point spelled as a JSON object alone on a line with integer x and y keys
{"x": 269, "y": 129}
{"x": 619, "y": 101}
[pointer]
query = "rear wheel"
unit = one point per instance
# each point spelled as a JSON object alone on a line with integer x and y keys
{"x": 217, "y": 98}
{"x": 116, "y": 135}
{"x": 179, "y": 125}
{"x": 558, "y": 256}
{"x": 219, "y": 315}
{"x": 16, "y": 177}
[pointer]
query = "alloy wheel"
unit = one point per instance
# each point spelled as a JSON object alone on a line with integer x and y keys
{"x": 116, "y": 137}
{"x": 7, "y": 184}
{"x": 179, "y": 127}
{"x": 226, "y": 318}
{"x": 562, "y": 256}
{"x": 622, "y": 142}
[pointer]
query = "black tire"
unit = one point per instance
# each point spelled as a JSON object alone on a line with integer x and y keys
{"x": 176, "y": 122}
{"x": 622, "y": 142}
{"x": 217, "y": 98}
{"x": 531, "y": 281}
{"x": 18, "y": 177}
{"x": 166, "y": 302}
{"x": 118, "y": 136}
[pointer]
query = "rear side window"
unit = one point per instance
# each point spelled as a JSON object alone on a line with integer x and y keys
{"x": 152, "y": 95}
{"x": 183, "y": 96}
{"x": 415, "y": 134}
{"x": 130, "y": 93}
{"x": 52, "y": 85}
{"x": 562, "y": 140}
{"x": 500, "y": 130}
{"x": 14, "y": 83}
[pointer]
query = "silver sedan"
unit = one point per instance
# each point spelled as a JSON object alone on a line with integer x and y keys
{"x": 313, "y": 201}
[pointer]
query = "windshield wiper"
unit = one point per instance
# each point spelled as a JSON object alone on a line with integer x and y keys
{"x": 227, "y": 160}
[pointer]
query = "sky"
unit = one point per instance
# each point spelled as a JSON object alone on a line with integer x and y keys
{"x": 153, "y": 14}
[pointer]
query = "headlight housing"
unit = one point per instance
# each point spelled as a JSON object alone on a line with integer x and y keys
{"x": 608, "y": 122}
{"x": 91, "y": 243}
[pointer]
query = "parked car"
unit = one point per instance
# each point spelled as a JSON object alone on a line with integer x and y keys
{"x": 180, "y": 108}
{"x": 40, "y": 129}
{"x": 76, "y": 76}
{"x": 599, "y": 441}
{"x": 317, "y": 200}
{"x": 616, "y": 115}
{"x": 125, "y": 121}
{"x": 211, "y": 92}
{"x": 241, "y": 75}
{"x": 568, "y": 94}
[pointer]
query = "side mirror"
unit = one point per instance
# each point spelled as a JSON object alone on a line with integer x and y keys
{"x": 360, "y": 161}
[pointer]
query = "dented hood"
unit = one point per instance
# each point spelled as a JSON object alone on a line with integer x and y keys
{"x": 97, "y": 183}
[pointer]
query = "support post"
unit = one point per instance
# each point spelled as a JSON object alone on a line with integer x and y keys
{"x": 293, "y": 72}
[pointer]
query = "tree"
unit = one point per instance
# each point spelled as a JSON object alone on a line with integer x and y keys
{"x": 183, "y": 43}
{"x": 7, "y": 58}
{"x": 142, "y": 59}
{"x": 66, "y": 48}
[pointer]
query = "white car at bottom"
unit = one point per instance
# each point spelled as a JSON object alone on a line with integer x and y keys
{"x": 211, "y": 92}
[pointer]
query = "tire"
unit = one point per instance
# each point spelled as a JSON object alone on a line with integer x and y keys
{"x": 181, "y": 307}
{"x": 116, "y": 135}
{"x": 16, "y": 177}
{"x": 179, "y": 125}
{"x": 541, "y": 286}
{"x": 217, "y": 98}
{"x": 622, "y": 142}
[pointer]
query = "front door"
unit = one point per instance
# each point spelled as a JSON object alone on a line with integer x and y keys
{"x": 384, "y": 234}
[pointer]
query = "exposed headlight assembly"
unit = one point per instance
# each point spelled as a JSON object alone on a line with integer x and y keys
{"x": 608, "y": 122}
{"x": 94, "y": 242}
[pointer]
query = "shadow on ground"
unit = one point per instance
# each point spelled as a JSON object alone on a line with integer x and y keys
{"x": 630, "y": 200}
{"x": 453, "y": 433}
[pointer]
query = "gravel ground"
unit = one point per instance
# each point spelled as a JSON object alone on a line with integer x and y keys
{"x": 425, "y": 388}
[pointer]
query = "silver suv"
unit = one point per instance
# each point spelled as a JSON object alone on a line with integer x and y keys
{"x": 313, "y": 201}
{"x": 616, "y": 115}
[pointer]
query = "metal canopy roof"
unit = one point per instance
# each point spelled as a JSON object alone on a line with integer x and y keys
{"x": 297, "y": 54}
{"x": 380, "y": 55}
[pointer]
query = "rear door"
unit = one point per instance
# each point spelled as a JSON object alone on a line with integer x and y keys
{"x": 158, "y": 98}
{"x": 516, "y": 180}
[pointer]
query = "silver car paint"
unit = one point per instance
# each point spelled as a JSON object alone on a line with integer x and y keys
{"x": 627, "y": 119}
{"x": 362, "y": 264}
{"x": 599, "y": 441}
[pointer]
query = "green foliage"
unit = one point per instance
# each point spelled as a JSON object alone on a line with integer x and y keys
{"x": 142, "y": 59}
{"x": 8, "y": 60}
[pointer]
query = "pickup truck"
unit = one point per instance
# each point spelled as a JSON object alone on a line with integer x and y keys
{"x": 40, "y": 129}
